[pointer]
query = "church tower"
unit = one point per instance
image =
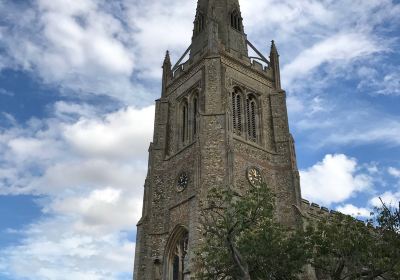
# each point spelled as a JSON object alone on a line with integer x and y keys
{"x": 221, "y": 121}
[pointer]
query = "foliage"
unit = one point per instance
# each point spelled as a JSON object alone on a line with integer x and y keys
{"x": 242, "y": 240}
{"x": 345, "y": 248}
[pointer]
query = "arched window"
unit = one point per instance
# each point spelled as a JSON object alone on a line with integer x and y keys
{"x": 199, "y": 23}
{"x": 237, "y": 111}
{"x": 195, "y": 111}
{"x": 184, "y": 122}
{"x": 251, "y": 112}
{"x": 177, "y": 254}
{"x": 236, "y": 20}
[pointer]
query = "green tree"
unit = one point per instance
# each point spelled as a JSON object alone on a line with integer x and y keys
{"x": 344, "y": 248}
{"x": 242, "y": 240}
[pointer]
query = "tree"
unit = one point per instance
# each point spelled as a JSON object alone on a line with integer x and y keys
{"x": 344, "y": 248}
{"x": 242, "y": 240}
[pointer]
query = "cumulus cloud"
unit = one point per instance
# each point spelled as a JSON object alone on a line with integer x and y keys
{"x": 389, "y": 198}
{"x": 91, "y": 194}
{"x": 333, "y": 180}
{"x": 116, "y": 133}
{"x": 354, "y": 211}
{"x": 53, "y": 250}
{"x": 168, "y": 24}
{"x": 80, "y": 45}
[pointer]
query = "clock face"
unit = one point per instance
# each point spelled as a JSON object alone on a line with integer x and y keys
{"x": 183, "y": 181}
{"x": 254, "y": 176}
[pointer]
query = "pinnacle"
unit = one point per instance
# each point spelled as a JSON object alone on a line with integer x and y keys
{"x": 167, "y": 59}
{"x": 273, "y": 47}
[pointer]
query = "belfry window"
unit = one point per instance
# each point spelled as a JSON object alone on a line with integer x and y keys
{"x": 236, "y": 20}
{"x": 251, "y": 111}
{"x": 237, "y": 111}
{"x": 199, "y": 24}
{"x": 184, "y": 122}
{"x": 245, "y": 120}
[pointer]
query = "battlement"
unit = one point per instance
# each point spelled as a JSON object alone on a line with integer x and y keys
{"x": 314, "y": 209}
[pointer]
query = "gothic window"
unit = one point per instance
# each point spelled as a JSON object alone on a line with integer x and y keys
{"x": 177, "y": 258}
{"x": 199, "y": 24}
{"x": 237, "y": 111}
{"x": 184, "y": 122}
{"x": 251, "y": 112}
{"x": 195, "y": 111}
{"x": 236, "y": 20}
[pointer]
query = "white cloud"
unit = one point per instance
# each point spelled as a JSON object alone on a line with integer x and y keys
{"x": 373, "y": 81}
{"x": 333, "y": 180}
{"x": 160, "y": 25}
{"x": 93, "y": 47}
{"x": 394, "y": 172}
{"x": 103, "y": 211}
{"x": 54, "y": 251}
{"x": 122, "y": 134}
{"x": 340, "y": 48}
{"x": 389, "y": 198}
{"x": 383, "y": 131}
{"x": 354, "y": 211}
{"x": 80, "y": 46}
{"x": 91, "y": 194}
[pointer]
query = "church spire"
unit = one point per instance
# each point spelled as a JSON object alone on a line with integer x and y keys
{"x": 218, "y": 23}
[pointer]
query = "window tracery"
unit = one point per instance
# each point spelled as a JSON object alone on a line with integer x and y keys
{"x": 245, "y": 115}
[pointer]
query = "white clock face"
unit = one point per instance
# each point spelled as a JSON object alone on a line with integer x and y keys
{"x": 183, "y": 181}
{"x": 254, "y": 176}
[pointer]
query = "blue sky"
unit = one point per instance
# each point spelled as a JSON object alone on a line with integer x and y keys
{"x": 77, "y": 84}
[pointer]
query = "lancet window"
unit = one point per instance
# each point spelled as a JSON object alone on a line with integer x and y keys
{"x": 184, "y": 122}
{"x": 237, "y": 108}
{"x": 194, "y": 116}
{"x": 236, "y": 20}
{"x": 251, "y": 118}
{"x": 199, "y": 23}
{"x": 188, "y": 118}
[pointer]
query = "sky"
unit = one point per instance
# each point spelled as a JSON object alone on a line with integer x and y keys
{"x": 78, "y": 80}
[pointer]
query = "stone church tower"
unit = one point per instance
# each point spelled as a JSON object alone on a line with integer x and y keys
{"x": 221, "y": 120}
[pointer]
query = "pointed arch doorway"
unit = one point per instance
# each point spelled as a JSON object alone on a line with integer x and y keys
{"x": 177, "y": 254}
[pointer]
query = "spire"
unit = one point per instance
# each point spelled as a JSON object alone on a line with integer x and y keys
{"x": 167, "y": 73}
{"x": 219, "y": 23}
{"x": 274, "y": 59}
